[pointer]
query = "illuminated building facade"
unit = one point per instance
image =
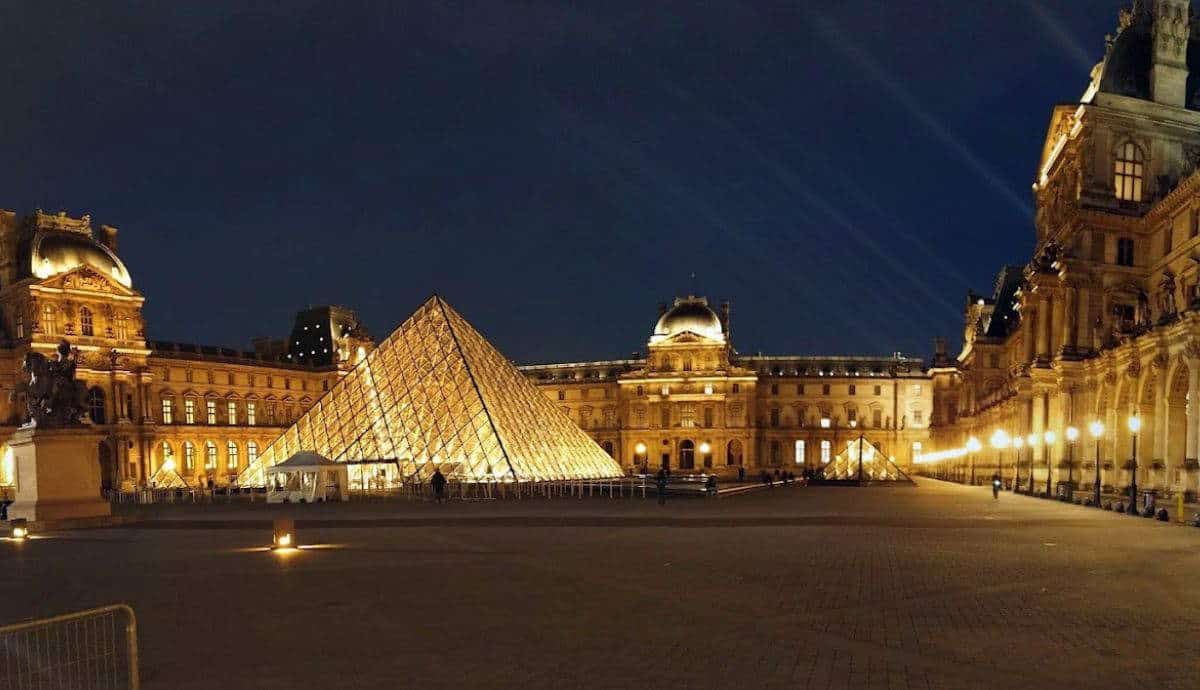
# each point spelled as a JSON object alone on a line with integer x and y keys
{"x": 1103, "y": 323}
{"x": 693, "y": 403}
{"x": 210, "y": 411}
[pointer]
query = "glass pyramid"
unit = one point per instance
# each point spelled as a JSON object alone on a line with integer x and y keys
{"x": 435, "y": 393}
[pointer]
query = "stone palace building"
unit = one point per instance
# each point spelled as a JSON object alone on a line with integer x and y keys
{"x": 1102, "y": 325}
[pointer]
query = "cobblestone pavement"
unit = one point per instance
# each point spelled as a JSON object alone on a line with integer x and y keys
{"x": 933, "y": 587}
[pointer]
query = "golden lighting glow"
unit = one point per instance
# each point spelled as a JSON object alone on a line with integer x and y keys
{"x": 1032, "y": 440}
{"x": 283, "y": 532}
{"x": 640, "y": 449}
{"x": 1072, "y": 434}
{"x": 1135, "y": 424}
{"x": 169, "y": 465}
{"x": 8, "y": 468}
{"x": 1000, "y": 439}
{"x": 1097, "y": 429}
{"x": 824, "y": 422}
{"x": 1050, "y": 437}
{"x": 20, "y": 528}
{"x": 705, "y": 448}
{"x": 436, "y": 394}
{"x": 1018, "y": 442}
{"x": 973, "y": 445}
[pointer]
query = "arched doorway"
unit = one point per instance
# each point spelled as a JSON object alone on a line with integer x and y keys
{"x": 108, "y": 468}
{"x": 733, "y": 453}
{"x": 95, "y": 403}
{"x": 687, "y": 455}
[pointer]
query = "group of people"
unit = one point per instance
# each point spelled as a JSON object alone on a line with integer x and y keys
{"x": 778, "y": 477}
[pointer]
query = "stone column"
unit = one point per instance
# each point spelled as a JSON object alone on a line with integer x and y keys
{"x": 1083, "y": 320}
{"x": 1043, "y": 327}
{"x": 1193, "y": 408}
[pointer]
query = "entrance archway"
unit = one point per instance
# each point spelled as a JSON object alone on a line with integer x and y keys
{"x": 733, "y": 453}
{"x": 687, "y": 455}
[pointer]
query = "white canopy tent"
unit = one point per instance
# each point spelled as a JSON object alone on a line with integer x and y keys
{"x": 307, "y": 477}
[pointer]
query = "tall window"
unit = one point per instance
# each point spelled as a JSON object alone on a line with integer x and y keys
{"x": 666, "y": 416}
{"x": 799, "y": 452}
{"x": 776, "y": 453}
{"x": 189, "y": 411}
{"x": 189, "y": 457}
{"x": 853, "y": 389}
{"x": 774, "y": 416}
{"x": 1127, "y": 172}
{"x": 168, "y": 411}
{"x": 250, "y": 413}
{"x": 86, "y": 324}
{"x": 687, "y": 416}
{"x": 231, "y": 412}
{"x": 708, "y": 417}
{"x": 1125, "y": 251}
{"x": 49, "y": 320}
{"x": 210, "y": 456}
{"x": 877, "y": 418}
{"x": 1195, "y": 223}
{"x": 826, "y": 452}
{"x": 122, "y": 330}
{"x": 210, "y": 407}
{"x": 251, "y": 453}
{"x": 95, "y": 401}
{"x": 168, "y": 455}
{"x": 852, "y": 415}
{"x": 825, "y": 389}
{"x": 878, "y": 390}
{"x": 1168, "y": 237}
{"x": 231, "y": 456}
{"x": 20, "y": 326}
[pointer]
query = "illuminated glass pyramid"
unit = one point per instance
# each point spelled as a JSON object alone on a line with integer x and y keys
{"x": 435, "y": 393}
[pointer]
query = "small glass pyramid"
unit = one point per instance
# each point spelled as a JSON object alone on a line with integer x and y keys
{"x": 434, "y": 394}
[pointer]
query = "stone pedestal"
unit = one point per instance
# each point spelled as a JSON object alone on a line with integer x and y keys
{"x": 57, "y": 474}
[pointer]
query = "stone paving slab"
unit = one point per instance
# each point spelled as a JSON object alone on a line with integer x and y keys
{"x": 935, "y": 587}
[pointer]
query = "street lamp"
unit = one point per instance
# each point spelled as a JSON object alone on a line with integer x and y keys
{"x": 973, "y": 446}
{"x": 1018, "y": 443}
{"x": 1135, "y": 425}
{"x": 1097, "y": 429}
{"x": 1050, "y": 437}
{"x": 1000, "y": 441}
{"x": 1072, "y": 436}
{"x": 1031, "y": 441}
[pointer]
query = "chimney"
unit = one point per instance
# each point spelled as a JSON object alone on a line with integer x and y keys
{"x": 108, "y": 237}
{"x": 1168, "y": 76}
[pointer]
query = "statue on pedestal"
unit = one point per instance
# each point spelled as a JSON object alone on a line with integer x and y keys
{"x": 53, "y": 398}
{"x": 1166, "y": 297}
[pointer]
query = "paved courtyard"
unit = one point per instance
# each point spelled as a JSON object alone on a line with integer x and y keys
{"x": 933, "y": 587}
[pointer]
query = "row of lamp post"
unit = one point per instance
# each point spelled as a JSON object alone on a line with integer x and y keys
{"x": 1001, "y": 440}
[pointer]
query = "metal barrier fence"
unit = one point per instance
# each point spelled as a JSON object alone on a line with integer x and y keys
{"x": 88, "y": 650}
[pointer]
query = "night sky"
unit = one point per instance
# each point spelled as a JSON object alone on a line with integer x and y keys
{"x": 843, "y": 171}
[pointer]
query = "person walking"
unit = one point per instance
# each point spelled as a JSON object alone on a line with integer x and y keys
{"x": 661, "y": 482}
{"x": 996, "y": 486}
{"x": 438, "y": 481}
{"x": 741, "y": 473}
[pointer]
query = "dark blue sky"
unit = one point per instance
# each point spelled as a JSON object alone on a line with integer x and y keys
{"x": 844, "y": 171}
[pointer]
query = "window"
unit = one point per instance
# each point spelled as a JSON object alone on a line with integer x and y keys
{"x": 878, "y": 390}
{"x": 231, "y": 412}
{"x": 736, "y": 388}
{"x": 852, "y": 416}
{"x": 251, "y": 453}
{"x": 666, "y": 390}
{"x": 708, "y": 417}
{"x": 774, "y": 416}
{"x": 189, "y": 456}
{"x": 853, "y": 389}
{"x": 1125, "y": 251}
{"x": 20, "y": 326}
{"x": 210, "y": 407}
{"x": 826, "y": 452}
{"x": 562, "y": 395}
{"x": 640, "y": 416}
{"x": 708, "y": 389}
{"x": 1195, "y": 223}
{"x": 687, "y": 363}
{"x": 250, "y": 413}
{"x": 49, "y": 320}
{"x": 1168, "y": 236}
{"x": 799, "y": 452}
{"x": 665, "y": 416}
{"x": 231, "y": 456}
{"x": 210, "y": 456}
{"x": 776, "y": 453}
{"x": 774, "y": 389}
{"x": 1127, "y": 172}
{"x": 687, "y": 416}
{"x": 877, "y": 418}
{"x": 993, "y": 361}
{"x": 168, "y": 455}
{"x": 825, "y": 389}
{"x": 86, "y": 323}
{"x": 122, "y": 330}
{"x": 918, "y": 417}
{"x": 168, "y": 412}
{"x": 95, "y": 402}
{"x": 189, "y": 411}
{"x": 640, "y": 391}
{"x": 916, "y": 390}
{"x": 799, "y": 389}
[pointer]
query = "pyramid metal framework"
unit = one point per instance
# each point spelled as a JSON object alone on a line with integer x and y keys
{"x": 435, "y": 393}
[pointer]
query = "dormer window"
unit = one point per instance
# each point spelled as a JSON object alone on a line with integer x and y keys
{"x": 1128, "y": 172}
{"x": 86, "y": 322}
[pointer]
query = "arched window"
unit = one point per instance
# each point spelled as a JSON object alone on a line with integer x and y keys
{"x": 1128, "y": 171}
{"x": 733, "y": 453}
{"x": 95, "y": 401}
{"x": 189, "y": 457}
{"x": 231, "y": 456}
{"x": 251, "y": 453}
{"x": 687, "y": 455}
{"x": 49, "y": 319}
{"x": 86, "y": 322}
{"x": 168, "y": 457}
{"x": 122, "y": 329}
{"x": 210, "y": 456}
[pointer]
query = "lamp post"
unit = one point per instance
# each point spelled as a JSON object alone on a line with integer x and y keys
{"x": 1097, "y": 430}
{"x": 973, "y": 446}
{"x": 1031, "y": 441}
{"x": 1072, "y": 435}
{"x": 1135, "y": 425}
{"x": 1018, "y": 443}
{"x": 1000, "y": 441}
{"x": 1050, "y": 438}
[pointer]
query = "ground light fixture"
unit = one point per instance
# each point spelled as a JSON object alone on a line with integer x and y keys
{"x": 283, "y": 534}
{"x": 1049, "y": 437}
{"x": 1072, "y": 435}
{"x": 1018, "y": 443}
{"x": 1097, "y": 430}
{"x": 1135, "y": 425}
{"x": 640, "y": 448}
{"x": 20, "y": 529}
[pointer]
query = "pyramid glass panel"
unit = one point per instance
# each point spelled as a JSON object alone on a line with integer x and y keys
{"x": 435, "y": 393}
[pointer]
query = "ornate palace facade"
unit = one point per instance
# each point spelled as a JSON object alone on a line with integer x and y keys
{"x": 1103, "y": 323}
{"x": 694, "y": 403}
{"x": 208, "y": 410}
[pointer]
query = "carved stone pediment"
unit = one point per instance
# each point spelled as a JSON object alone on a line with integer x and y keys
{"x": 87, "y": 279}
